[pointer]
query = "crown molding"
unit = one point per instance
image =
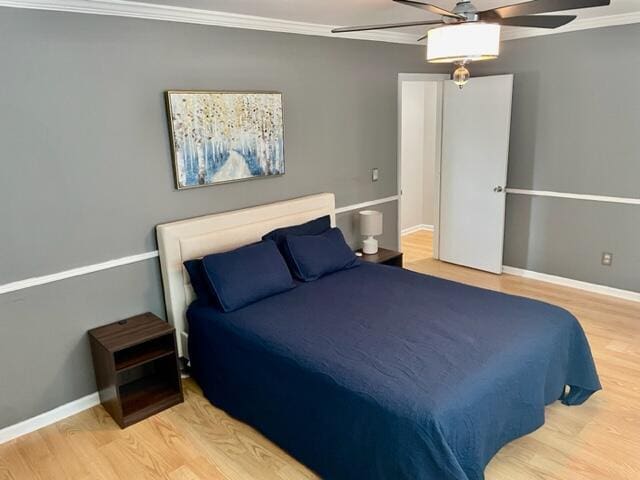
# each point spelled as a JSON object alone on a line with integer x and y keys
{"x": 125, "y": 8}
{"x": 168, "y": 13}
{"x": 576, "y": 25}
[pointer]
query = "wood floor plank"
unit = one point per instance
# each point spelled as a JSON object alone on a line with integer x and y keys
{"x": 12, "y": 465}
{"x": 599, "y": 440}
{"x": 39, "y": 459}
{"x": 417, "y": 246}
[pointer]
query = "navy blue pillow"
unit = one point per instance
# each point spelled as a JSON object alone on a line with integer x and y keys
{"x": 199, "y": 281}
{"x": 317, "y": 255}
{"x": 247, "y": 274}
{"x": 313, "y": 227}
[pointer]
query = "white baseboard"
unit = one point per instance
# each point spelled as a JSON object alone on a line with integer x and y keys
{"x": 417, "y": 228}
{"x": 47, "y": 418}
{"x": 569, "y": 282}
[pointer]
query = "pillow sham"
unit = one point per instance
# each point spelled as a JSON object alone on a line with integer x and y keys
{"x": 247, "y": 274}
{"x": 313, "y": 227}
{"x": 314, "y": 256}
{"x": 199, "y": 281}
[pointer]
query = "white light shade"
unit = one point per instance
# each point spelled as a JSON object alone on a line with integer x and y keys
{"x": 370, "y": 223}
{"x": 463, "y": 42}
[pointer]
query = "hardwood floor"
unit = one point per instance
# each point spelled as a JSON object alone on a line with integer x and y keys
{"x": 417, "y": 246}
{"x": 190, "y": 441}
{"x": 598, "y": 440}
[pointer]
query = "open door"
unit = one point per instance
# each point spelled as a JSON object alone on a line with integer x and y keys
{"x": 475, "y": 148}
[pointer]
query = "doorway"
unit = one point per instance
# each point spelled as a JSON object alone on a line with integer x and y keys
{"x": 452, "y": 169}
{"x": 420, "y": 108}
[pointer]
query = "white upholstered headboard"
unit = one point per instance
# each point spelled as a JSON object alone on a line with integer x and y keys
{"x": 196, "y": 237}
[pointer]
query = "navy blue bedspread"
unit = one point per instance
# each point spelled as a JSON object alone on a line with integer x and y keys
{"x": 381, "y": 373}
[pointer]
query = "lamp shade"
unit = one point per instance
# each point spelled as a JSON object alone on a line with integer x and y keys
{"x": 463, "y": 42}
{"x": 370, "y": 223}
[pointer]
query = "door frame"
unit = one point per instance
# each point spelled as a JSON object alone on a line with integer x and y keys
{"x": 423, "y": 77}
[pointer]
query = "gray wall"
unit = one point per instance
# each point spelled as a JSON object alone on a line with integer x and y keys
{"x": 86, "y": 170}
{"x": 575, "y": 127}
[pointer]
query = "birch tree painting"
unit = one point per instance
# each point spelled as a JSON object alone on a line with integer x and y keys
{"x": 222, "y": 137}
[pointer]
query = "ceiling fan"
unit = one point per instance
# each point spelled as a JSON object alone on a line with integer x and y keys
{"x": 468, "y": 34}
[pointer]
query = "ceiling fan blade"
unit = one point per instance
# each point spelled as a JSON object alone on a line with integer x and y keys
{"x": 537, "y": 21}
{"x": 539, "y": 6}
{"x": 430, "y": 8}
{"x": 385, "y": 26}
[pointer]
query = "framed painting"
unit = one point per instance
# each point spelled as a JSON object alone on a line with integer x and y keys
{"x": 220, "y": 137}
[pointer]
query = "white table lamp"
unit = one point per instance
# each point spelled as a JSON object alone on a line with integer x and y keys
{"x": 370, "y": 226}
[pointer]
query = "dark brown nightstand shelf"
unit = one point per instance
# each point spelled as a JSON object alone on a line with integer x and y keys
{"x": 136, "y": 366}
{"x": 144, "y": 353}
{"x": 384, "y": 256}
{"x": 147, "y": 396}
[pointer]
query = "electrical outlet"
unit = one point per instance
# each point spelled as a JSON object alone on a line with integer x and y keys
{"x": 607, "y": 259}
{"x": 374, "y": 175}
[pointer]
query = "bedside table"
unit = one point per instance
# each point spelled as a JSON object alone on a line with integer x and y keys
{"x": 136, "y": 366}
{"x": 384, "y": 256}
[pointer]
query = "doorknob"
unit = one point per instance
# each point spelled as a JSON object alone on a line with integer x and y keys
{"x": 498, "y": 189}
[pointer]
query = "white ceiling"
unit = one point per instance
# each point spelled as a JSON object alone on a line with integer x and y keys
{"x": 358, "y": 12}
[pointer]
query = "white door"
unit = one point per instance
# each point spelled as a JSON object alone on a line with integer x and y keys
{"x": 475, "y": 149}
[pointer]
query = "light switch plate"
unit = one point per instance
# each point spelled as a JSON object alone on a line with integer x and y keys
{"x": 375, "y": 175}
{"x": 607, "y": 259}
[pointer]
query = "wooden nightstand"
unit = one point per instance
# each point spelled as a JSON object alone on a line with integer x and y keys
{"x": 384, "y": 256}
{"x": 136, "y": 367}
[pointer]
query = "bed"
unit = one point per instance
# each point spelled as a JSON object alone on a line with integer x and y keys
{"x": 421, "y": 378}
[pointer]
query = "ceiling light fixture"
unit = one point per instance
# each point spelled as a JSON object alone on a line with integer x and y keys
{"x": 461, "y": 75}
{"x": 463, "y": 43}
{"x": 470, "y": 34}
